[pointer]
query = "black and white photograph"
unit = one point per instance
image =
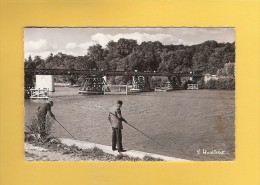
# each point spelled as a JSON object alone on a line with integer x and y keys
{"x": 129, "y": 94}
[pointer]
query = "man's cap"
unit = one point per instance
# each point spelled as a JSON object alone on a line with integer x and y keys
{"x": 119, "y": 102}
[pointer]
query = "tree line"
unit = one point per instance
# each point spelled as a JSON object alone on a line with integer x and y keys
{"x": 127, "y": 55}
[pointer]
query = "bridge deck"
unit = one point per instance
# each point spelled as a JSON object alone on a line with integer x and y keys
{"x": 29, "y": 71}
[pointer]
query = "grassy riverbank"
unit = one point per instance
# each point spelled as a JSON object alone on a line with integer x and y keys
{"x": 54, "y": 150}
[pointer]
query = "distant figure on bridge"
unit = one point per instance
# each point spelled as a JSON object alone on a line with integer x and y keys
{"x": 115, "y": 118}
{"x": 43, "y": 109}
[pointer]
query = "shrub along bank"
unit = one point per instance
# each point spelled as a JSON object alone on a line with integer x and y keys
{"x": 93, "y": 154}
{"x": 221, "y": 83}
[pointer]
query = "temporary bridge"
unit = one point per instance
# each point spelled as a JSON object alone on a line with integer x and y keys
{"x": 95, "y": 79}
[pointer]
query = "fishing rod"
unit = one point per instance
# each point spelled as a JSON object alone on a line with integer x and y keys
{"x": 64, "y": 128}
{"x": 145, "y": 134}
{"x": 140, "y": 132}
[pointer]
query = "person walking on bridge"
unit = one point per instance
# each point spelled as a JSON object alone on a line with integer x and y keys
{"x": 43, "y": 109}
{"x": 115, "y": 118}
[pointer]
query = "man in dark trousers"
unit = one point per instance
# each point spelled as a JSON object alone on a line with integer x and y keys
{"x": 115, "y": 118}
{"x": 43, "y": 109}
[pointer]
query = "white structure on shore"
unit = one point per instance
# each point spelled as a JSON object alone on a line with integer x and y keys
{"x": 45, "y": 82}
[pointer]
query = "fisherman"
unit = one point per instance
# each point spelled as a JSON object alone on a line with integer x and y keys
{"x": 43, "y": 109}
{"x": 115, "y": 118}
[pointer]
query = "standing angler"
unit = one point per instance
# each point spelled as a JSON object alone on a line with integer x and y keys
{"x": 115, "y": 118}
{"x": 43, "y": 109}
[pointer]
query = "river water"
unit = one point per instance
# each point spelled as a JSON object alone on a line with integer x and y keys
{"x": 184, "y": 122}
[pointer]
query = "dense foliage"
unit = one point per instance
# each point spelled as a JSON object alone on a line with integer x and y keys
{"x": 126, "y": 54}
{"x": 221, "y": 83}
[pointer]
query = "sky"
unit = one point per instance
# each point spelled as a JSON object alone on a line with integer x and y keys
{"x": 76, "y": 41}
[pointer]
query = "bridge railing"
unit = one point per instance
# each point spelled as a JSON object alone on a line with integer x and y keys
{"x": 39, "y": 93}
{"x": 193, "y": 87}
{"x": 115, "y": 89}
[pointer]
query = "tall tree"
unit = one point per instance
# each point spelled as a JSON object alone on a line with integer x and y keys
{"x": 29, "y": 63}
{"x": 96, "y": 54}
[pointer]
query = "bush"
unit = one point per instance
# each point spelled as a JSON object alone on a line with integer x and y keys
{"x": 225, "y": 83}
{"x": 201, "y": 84}
{"x": 122, "y": 157}
{"x": 221, "y": 83}
{"x": 211, "y": 84}
{"x": 149, "y": 158}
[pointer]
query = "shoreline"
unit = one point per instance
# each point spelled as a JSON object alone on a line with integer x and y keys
{"x": 72, "y": 150}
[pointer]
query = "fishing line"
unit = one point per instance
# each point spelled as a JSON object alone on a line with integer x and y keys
{"x": 145, "y": 135}
{"x": 64, "y": 128}
{"x": 167, "y": 149}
